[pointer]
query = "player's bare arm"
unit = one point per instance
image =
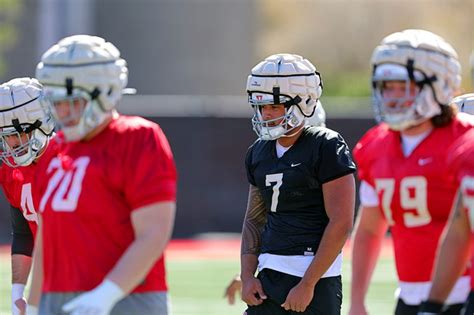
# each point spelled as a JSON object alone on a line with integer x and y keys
{"x": 232, "y": 288}
{"x": 454, "y": 246}
{"x": 255, "y": 218}
{"x": 22, "y": 247}
{"x": 37, "y": 274}
{"x": 367, "y": 238}
{"x": 339, "y": 199}
{"x": 152, "y": 225}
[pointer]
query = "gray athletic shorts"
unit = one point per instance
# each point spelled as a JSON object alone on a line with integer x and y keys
{"x": 155, "y": 303}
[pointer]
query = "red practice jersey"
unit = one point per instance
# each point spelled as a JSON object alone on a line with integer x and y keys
{"x": 461, "y": 159}
{"x": 17, "y": 182}
{"x": 414, "y": 192}
{"x": 89, "y": 190}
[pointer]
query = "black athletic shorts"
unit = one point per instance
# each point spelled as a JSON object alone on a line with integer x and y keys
{"x": 327, "y": 298}
{"x": 405, "y": 309}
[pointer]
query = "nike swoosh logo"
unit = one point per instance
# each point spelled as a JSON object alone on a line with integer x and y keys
{"x": 293, "y": 165}
{"x": 424, "y": 161}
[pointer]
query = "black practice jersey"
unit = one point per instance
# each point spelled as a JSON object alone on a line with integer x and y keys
{"x": 291, "y": 187}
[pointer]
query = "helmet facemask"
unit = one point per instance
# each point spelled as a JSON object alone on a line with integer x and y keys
{"x": 22, "y": 144}
{"x": 77, "y": 113}
{"x": 403, "y": 108}
{"x": 26, "y": 123}
{"x": 272, "y": 129}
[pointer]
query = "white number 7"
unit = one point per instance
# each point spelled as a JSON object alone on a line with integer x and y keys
{"x": 278, "y": 179}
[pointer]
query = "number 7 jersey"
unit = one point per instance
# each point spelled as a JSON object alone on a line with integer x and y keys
{"x": 291, "y": 187}
{"x": 414, "y": 192}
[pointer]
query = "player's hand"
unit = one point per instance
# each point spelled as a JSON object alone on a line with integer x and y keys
{"x": 430, "y": 308}
{"x": 31, "y": 310}
{"x": 99, "y": 301}
{"x": 358, "y": 309}
{"x": 234, "y": 286}
{"x": 18, "y": 300}
{"x": 252, "y": 291}
{"x": 19, "y": 306}
{"x": 299, "y": 298}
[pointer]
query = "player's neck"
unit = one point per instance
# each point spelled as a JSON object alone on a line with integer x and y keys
{"x": 290, "y": 138}
{"x": 418, "y": 129}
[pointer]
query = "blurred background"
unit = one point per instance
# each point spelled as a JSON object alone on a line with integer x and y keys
{"x": 189, "y": 60}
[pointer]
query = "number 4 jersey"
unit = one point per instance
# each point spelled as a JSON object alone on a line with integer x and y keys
{"x": 17, "y": 185}
{"x": 88, "y": 192}
{"x": 414, "y": 192}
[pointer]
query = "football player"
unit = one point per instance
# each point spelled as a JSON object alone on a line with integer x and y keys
{"x": 235, "y": 285}
{"x": 403, "y": 169}
{"x": 301, "y": 198}
{"x": 26, "y": 127}
{"x": 108, "y": 195}
{"x": 455, "y": 245}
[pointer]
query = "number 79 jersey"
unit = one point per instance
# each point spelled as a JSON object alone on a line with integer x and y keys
{"x": 414, "y": 192}
{"x": 291, "y": 187}
{"x": 88, "y": 193}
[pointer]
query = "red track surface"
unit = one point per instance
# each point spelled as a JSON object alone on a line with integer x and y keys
{"x": 185, "y": 249}
{"x": 230, "y": 249}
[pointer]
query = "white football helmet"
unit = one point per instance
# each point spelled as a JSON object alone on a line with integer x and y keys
{"x": 25, "y": 121}
{"x": 419, "y": 57}
{"x": 87, "y": 68}
{"x": 284, "y": 79}
{"x": 319, "y": 117}
{"x": 465, "y": 103}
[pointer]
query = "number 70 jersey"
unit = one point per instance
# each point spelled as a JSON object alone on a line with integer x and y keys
{"x": 414, "y": 192}
{"x": 89, "y": 191}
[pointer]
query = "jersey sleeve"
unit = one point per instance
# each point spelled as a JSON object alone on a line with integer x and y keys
{"x": 23, "y": 239}
{"x": 150, "y": 172}
{"x": 336, "y": 160}
{"x": 367, "y": 195}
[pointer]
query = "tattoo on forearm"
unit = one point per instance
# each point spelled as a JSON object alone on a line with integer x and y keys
{"x": 255, "y": 219}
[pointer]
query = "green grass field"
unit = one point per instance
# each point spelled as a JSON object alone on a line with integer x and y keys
{"x": 197, "y": 286}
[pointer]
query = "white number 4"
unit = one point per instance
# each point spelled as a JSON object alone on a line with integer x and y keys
{"x": 278, "y": 179}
